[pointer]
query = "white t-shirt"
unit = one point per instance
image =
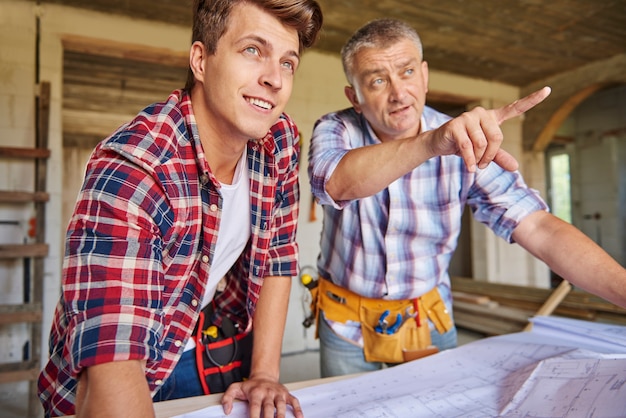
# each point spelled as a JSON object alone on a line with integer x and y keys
{"x": 233, "y": 232}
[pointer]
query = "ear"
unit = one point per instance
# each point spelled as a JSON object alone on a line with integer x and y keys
{"x": 351, "y": 95}
{"x": 197, "y": 55}
{"x": 425, "y": 75}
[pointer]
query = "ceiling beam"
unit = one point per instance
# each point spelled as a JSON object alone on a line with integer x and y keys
{"x": 137, "y": 52}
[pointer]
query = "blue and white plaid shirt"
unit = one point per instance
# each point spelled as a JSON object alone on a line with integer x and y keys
{"x": 397, "y": 244}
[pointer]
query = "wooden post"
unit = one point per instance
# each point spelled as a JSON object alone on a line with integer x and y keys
{"x": 552, "y": 302}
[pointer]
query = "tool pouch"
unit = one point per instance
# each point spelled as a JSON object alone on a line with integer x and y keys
{"x": 409, "y": 339}
{"x": 409, "y": 342}
{"x": 223, "y": 356}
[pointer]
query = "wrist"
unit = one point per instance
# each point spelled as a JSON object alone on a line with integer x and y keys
{"x": 264, "y": 375}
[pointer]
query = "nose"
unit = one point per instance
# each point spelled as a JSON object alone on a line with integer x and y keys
{"x": 271, "y": 75}
{"x": 397, "y": 90}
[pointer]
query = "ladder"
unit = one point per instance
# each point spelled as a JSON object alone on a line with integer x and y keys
{"x": 32, "y": 251}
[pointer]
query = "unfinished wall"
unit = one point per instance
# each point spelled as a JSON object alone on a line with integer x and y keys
{"x": 318, "y": 90}
{"x": 598, "y": 169}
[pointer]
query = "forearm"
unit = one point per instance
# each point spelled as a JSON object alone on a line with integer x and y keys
{"x": 365, "y": 171}
{"x": 573, "y": 256}
{"x": 269, "y": 326}
{"x": 114, "y": 389}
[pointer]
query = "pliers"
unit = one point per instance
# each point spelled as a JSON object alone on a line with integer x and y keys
{"x": 383, "y": 325}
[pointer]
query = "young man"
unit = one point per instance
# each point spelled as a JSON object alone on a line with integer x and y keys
{"x": 394, "y": 176}
{"x": 192, "y": 203}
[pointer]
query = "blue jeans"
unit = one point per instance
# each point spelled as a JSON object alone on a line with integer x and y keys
{"x": 339, "y": 357}
{"x": 183, "y": 382}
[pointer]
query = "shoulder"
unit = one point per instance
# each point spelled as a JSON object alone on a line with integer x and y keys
{"x": 155, "y": 134}
{"x": 346, "y": 116}
{"x": 284, "y": 134}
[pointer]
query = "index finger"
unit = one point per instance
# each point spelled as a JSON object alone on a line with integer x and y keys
{"x": 521, "y": 105}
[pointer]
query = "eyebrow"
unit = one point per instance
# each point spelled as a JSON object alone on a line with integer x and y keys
{"x": 379, "y": 70}
{"x": 266, "y": 44}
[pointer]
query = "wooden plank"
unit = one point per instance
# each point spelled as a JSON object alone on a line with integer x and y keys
{"x": 11, "y": 314}
{"x": 470, "y": 297}
{"x": 23, "y": 250}
{"x": 531, "y": 298}
{"x": 15, "y": 372}
{"x": 575, "y": 304}
{"x": 488, "y": 326}
{"x": 502, "y": 312}
{"x": 552, "y": 302}
{"x": 126, "y": 50}
{"x": 27, "y": 153}
{"x": 23, "y": 197}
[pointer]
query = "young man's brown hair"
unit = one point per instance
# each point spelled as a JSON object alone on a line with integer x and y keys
{"x": 211, "y": 17}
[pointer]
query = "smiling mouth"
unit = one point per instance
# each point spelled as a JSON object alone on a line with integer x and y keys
{"x": 259, "y": 103}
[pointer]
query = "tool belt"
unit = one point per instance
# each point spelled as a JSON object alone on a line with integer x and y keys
{"x": 394, "y": 331}
{"x": 223, "y": 356}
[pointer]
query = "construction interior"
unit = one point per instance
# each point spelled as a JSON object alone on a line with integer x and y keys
{"x": 71, "y": 71}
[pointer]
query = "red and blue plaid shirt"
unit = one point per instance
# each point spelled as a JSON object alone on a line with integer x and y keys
{"x": 140, "y": 244}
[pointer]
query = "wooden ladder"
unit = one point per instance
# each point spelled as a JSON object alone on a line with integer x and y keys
{"x": 32, "y": 251}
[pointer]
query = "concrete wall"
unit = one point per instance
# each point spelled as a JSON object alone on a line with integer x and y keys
{"x": 598, "y": 164}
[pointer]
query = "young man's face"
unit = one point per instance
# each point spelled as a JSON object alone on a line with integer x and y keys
{"x": 392, "y": 85}
{"x": 247, "y": 83}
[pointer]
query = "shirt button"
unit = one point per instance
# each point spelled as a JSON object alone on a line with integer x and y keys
{"x": 178, "y": 343}
{"x": 158, "y": 382}
{"x": 194, "y": 302}
{"x": 213, "y": 207}
{"x": 205, "y": 258}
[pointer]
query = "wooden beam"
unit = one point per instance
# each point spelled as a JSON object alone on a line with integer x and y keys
{"x": 8, "y": 251}
{"x": 27, "y": 153}
{"x": 558, "y": 117}
{"x": 576, "y": 304}
{"x": 23, "y": 197}
{"x": 552, "y": 302}
{"x": 15, "y": 372}
{"x": 125, "y": 50}
{"x": 83, "y": 122}
{"x": 11, "y": 314}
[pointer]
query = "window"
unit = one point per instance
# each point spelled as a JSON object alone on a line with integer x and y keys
{"x": 560, "y": 195}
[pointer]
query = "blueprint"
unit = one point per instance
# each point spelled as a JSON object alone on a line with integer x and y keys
{"x": 518, "y": 375}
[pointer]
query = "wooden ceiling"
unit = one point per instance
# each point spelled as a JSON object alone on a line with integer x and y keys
{"x": 516, "y": 42}
{"x": 513, "y": 42}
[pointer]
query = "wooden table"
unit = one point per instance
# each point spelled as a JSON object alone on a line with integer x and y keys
{"x": 167, "y": 409}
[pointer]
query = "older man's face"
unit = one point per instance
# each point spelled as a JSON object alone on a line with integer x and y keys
{"x": 390, "y": 91}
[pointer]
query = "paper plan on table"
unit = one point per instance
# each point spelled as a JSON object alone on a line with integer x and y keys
{"x": 505, "y": 376}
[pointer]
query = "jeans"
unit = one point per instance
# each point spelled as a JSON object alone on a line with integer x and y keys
{"x": 183, "y": 382}
{"x": 339, "y": 357}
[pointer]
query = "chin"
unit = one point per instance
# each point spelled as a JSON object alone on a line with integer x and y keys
{"x": 261, "y": 129}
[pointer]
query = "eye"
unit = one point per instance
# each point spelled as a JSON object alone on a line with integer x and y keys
{"x": 253, "y": 50}
{"x": 409, "y": 71}
{"x": 289, "y": 65}
{"x": 377, "y": 82}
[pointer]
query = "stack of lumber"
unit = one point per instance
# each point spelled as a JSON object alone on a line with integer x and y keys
{"x": 495, "y": 308}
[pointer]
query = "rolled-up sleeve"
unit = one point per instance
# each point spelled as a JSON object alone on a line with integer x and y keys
{"x": 329, "y": 143}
